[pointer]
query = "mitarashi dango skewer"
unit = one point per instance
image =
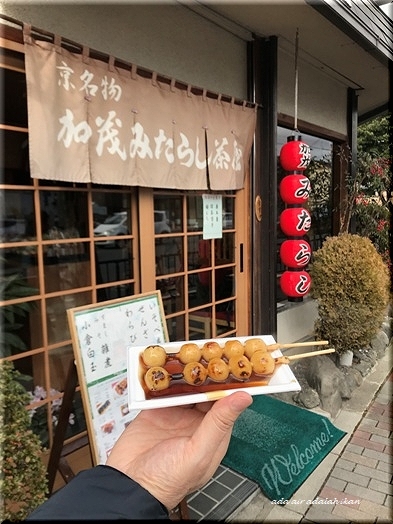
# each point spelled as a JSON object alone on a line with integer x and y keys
{"x": 286, "y": 360}
{"x": 273, "y": 347}
{"x": 257, "y": 359}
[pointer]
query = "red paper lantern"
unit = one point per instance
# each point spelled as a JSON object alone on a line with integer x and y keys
{"x": 295, "y": 253}
{"x": 295, "y": 284}
{"x": 295, "y": 221}
{"x": 295, "y": 155}
{"x": 295, "y": 189}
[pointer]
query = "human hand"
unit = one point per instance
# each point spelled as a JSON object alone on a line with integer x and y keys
{"x": 174, "y": 451}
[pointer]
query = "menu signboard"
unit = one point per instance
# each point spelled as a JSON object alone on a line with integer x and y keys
{"x": 101, "y": 334}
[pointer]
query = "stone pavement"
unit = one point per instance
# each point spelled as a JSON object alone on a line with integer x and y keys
{"x": 353, "y": 484}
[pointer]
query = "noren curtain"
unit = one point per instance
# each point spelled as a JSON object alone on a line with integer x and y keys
{"x": 90, "y": 121}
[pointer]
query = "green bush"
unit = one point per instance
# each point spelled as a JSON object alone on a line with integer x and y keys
{"x": 23, "y": 483}
{"x": 350, "y": 282}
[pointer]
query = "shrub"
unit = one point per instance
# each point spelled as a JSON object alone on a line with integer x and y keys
{"x": 23, "y": 483}
{"x": 351, "y": 284}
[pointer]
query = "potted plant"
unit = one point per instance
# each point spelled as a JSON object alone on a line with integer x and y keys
{"x": 350, "y": 282}
{"x": 23, "y": 482}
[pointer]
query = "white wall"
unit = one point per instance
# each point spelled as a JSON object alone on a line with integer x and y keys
{"x": 296, "y": 322}
{"x": 177, "y": 42}
{"x": 322, "y": 99}
{"x": 169, "y": 39}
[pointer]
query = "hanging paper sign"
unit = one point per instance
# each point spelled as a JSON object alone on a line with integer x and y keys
{"x": 295, "y": 284}
{"x": 295, "y": 189}
{"x": 295, "y": 155}
{"x": 212, "y": 216}
{"x": 295, "y": 221}
{"x": 295, "y": 253}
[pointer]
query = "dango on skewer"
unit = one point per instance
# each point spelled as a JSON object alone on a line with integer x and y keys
{"x": 157, "y": 378}
{"x": 262, "y": 363}
{"x": 194, "y": 373}
{"x": 233, "y": 348}
{"x": 211, "y": 350}
{"x": 217, "y": 369}
{"x": 240, "y": 367}
{"x": 154, "y": 356}
{"x": 254, "y": 344}
{"x": 189, "y": 352}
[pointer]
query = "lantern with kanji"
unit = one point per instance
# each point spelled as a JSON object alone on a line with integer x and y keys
{"x": 295, "y": 155}
{"x": 295, "y": 189}
{"x": 295, "y": 220}
{"x": 295, "y": 284}
{"x": 295, "y": 253}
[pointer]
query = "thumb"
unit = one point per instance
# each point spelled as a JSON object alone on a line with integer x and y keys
{"x": 218, "y": 422}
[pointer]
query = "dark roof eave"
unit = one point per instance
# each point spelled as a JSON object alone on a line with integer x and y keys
{"x": 367, "y": 15}
{"x": 370, "y": 115}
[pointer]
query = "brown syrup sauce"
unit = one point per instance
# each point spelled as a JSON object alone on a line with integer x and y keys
{"x": 180, "y": 387}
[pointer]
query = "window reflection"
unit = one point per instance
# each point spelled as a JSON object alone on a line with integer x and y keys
{"x": 67, "y": 266}
{"x": 169, "y": 255}
{"x": 172, "y": 293}
{"x": 64, "y": 214}
{"x": 56, "y": 313}
{"x": 168, "y": 214}
{"x": 113, "y": 225}
{"x": 19, "y": 279}
{"x": 228, "y": 213}
{"x": 113, "y": 264}
{"x": 194, "y": 213}
{"x": 21, "y": 328}
{"x": 17, "y": 218}
{"x": 110, "y": 293}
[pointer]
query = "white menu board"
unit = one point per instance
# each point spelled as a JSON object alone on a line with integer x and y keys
{"x": 101, "y": 334}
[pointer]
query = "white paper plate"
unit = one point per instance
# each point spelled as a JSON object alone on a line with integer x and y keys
{"x": 282, "y": 379}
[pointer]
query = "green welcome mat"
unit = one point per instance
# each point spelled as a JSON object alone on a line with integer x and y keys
{"x": 278, "y": 445}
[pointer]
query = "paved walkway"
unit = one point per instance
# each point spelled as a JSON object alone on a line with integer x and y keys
{"x": 353, "y": 484}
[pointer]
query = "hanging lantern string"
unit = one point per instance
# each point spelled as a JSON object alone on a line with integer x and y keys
{"x": 296, "y": 78}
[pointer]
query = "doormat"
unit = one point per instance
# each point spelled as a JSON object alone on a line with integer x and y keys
{"x": 278, "y": 445}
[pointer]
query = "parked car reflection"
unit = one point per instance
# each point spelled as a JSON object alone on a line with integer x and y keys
{"x": 114, "y": 225}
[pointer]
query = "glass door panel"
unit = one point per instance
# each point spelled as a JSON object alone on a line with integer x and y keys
{"x": 196, "y": 276}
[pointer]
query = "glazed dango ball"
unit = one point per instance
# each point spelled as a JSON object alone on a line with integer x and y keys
{"x": 157, "y": 378}
{"x": 233, "y": 348}
{"x": 240, "y": 367}
{"x": 189, "y": 352}
{"x": 262, "y": 363}
{"x": 211, "y": 350}
{"x": 194, "y": 373}
{"x": 218, "y": 369}
{"x": 154, "y": 356}
{"x": 254, "y": 344}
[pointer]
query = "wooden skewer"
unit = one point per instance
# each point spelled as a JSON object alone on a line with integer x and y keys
{"x": 311, "y": 354}
{"x": 272, "y": 347}
{"x": 286, "y": 360}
